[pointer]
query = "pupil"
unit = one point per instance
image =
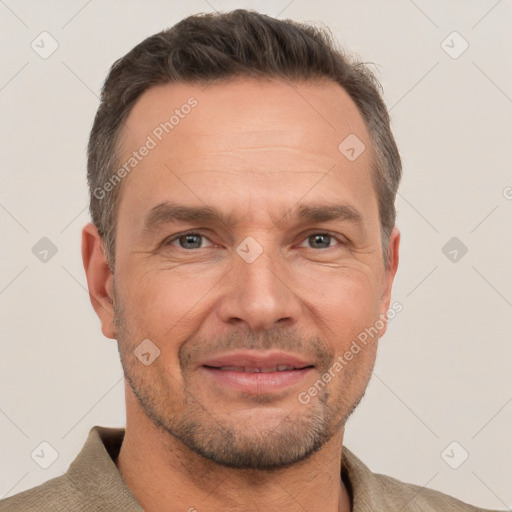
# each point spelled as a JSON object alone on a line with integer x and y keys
{"x": 190, "y": 239}
{"x": 323, "y": 240}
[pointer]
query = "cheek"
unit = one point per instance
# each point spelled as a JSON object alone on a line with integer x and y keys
{"x": 345, "y": 302}
{"x": 172, "y": 304}
{"x": 164, "y": 306}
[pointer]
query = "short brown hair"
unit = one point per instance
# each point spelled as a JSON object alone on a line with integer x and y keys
{"x": 207, "y": 47}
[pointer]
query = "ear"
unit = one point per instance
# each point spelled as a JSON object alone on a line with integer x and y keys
{"x": 388, "y": 277}
{"x": 100, "y": 280}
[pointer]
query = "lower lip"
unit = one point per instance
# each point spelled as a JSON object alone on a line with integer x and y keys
{"x": 258, "y": 383}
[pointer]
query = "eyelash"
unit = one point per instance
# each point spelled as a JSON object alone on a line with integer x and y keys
{"x": 341, "y": 240}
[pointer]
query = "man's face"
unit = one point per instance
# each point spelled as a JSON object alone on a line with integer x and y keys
{"x": 251, "y": 310}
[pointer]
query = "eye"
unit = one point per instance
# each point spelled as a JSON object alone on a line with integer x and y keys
{"x": 321, "y": 240}
{"x": 188, "y": 241}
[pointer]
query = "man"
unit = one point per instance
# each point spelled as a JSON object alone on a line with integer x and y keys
{"x": 242, "y": 176}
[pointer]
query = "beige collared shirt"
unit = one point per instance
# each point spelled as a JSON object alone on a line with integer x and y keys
{"x": 94, "y": 484}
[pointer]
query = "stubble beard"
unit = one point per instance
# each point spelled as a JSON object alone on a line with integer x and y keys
{"x": 256, "y": 446}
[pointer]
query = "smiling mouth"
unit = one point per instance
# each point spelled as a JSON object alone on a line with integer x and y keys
{"x": 257, "y": 373}
{"x": 258, "y": 369}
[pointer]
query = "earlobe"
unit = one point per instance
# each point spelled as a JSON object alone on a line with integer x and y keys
{"x": 99, "y": 278}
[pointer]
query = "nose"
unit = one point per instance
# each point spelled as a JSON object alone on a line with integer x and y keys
{"x": 259, "y": 294}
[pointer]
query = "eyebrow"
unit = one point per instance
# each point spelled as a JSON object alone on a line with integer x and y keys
{"x": 325, "y": 213}
{"x": 170, "y": 212}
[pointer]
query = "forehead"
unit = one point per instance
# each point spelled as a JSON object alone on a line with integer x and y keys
{"x": 259, "y": 111}
{"x": 241, "y": 140}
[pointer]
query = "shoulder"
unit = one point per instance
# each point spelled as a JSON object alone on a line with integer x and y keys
{"x": 92, "y": 482}
{"x": 373, "y": 491}
{"x": 58, "y": 494}
{"x": 411, "y": 497}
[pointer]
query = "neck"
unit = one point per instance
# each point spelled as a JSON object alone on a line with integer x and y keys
{"x": 161, "y": 472}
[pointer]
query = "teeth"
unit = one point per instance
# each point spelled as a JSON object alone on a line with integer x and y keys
{"x": 247, "y": 369}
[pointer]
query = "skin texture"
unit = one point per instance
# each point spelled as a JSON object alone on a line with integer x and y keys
{"x": 255, "y": 150}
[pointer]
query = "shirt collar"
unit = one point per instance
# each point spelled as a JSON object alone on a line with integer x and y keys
{"x": 94, "y": 473}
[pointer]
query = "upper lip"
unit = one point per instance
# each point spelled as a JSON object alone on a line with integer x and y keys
{"x": 255, "y": 359}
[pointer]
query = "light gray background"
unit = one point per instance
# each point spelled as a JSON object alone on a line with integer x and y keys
{"x": 443, "y": 371}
